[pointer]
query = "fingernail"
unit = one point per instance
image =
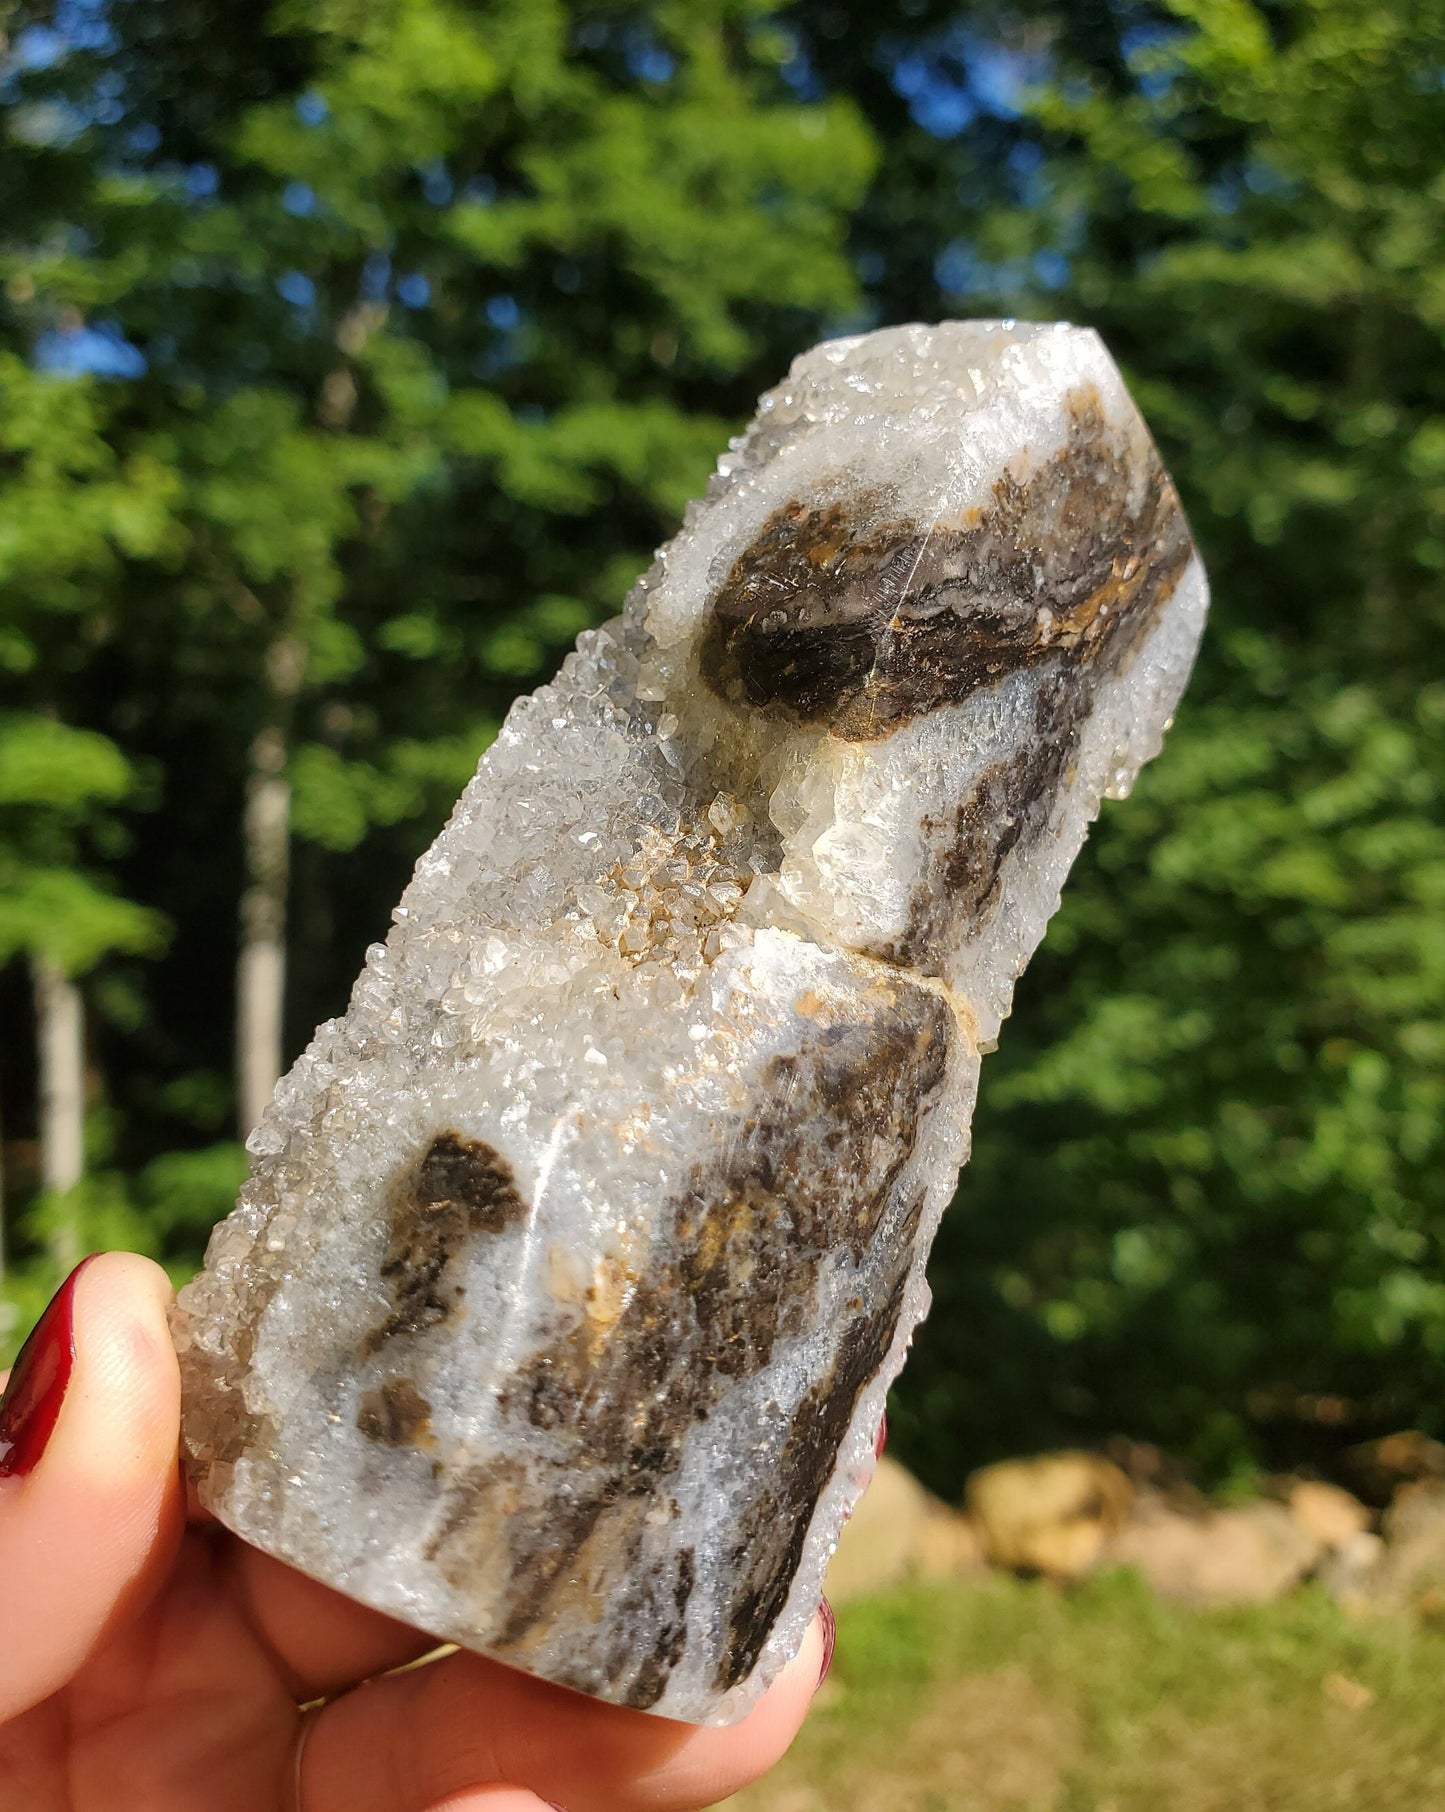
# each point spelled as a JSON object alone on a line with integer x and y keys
{"x": 882, "y": 1441}
{"x": 30, "y": 1407}
{"x": 830, "y": 1637}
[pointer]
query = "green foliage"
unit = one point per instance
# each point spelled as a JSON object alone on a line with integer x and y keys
{"x": 164, "y": 1212}
{"x": 183, "y": 1193}
{"x": 48, "y": 764}
{"x": 57, "y": 912}
{"x": 1216, "y": 1139}
{"x": 1205, "y": 1198}
{"x": 52, "y": 779}
{"x": 71, "y": 512}
{"x": 353, "y": 358}
{"x": 73, "y": 506}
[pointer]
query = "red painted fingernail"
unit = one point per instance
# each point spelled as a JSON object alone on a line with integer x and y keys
{"x": 882, "y": 1440}
{"x": 30, "y": 1407}
{"x": 830, "y": 1637}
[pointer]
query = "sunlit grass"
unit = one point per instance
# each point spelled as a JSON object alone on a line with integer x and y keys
{"x": 1000, "y": 1694}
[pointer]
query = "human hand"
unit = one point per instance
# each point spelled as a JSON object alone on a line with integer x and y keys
{"x": 151, "y": 1663}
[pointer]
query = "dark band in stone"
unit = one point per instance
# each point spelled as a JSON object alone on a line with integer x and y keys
{"x": 747, "y": 1240}
{"x": 774, "y": 1529}
{"x": 460, "y": 1188}
{"x": 860, "y": 630}
{"x": 1006, "y": 810}
{"x": 396, "y": 1414}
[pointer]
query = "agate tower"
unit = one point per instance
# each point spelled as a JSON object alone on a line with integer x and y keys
{"x": 577, "y": 1257}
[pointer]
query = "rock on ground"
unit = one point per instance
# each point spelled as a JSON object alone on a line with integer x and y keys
{"x": 1379, "y": 1468}
{"x": 1327, "y": 1512}
{"x": 1052, "y": 1514}
{"x": 1407, "y": 1570}
{"x": 1248, "y": 1555}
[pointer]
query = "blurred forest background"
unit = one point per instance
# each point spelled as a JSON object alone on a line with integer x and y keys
{"x": 355, "y": 354}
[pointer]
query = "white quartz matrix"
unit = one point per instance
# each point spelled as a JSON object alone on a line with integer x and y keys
{"x": 576, "y": 1259}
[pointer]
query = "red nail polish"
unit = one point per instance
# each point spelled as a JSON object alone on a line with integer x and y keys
{"x": 882, "y": 1440}
{"x": 830, "y": 1637}
{"x": 30, "y": 1407}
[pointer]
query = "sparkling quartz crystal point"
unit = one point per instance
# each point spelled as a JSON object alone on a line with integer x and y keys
{"x": 576, "y": 1259}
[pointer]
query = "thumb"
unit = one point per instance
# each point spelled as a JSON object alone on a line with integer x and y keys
{"x": 90, "y": 1506}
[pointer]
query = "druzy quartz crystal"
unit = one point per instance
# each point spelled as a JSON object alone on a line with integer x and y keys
{"x": 576, "y": 1258}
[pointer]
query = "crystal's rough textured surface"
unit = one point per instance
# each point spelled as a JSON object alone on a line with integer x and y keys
{"x": 576, "y": 1259}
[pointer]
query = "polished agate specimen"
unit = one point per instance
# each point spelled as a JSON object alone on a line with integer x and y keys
{"x": 576, "y": 1259}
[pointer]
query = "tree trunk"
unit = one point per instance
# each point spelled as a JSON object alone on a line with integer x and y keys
{"x": 261, "y": 967}
{"x": 60, "y": 1035}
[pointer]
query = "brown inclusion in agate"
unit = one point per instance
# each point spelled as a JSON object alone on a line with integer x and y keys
{"x": 461, "y": 1187}
{"x": 860, "y": 630}
{"x": 771, "y": 1207}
